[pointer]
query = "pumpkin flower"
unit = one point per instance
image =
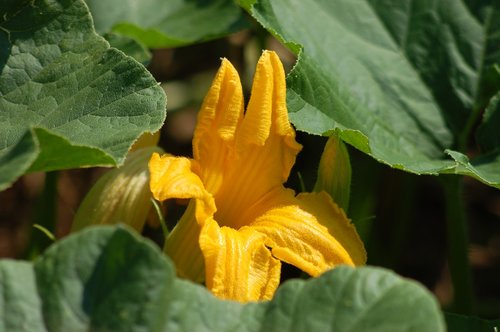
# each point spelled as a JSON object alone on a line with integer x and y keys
{"x": 241, "y": 221}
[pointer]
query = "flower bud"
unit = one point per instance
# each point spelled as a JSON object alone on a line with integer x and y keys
{"x": 334, "y": 172}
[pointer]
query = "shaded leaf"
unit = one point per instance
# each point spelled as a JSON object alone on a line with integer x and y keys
{"x": 20, "y": 306}
{"x": 66, "y": 98}
{"x": 110, "y": 279}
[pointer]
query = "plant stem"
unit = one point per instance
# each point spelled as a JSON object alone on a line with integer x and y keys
{"x": 45, "y": 217}
{"x": 157, "y": 208}
{"x": 456, "y": 225}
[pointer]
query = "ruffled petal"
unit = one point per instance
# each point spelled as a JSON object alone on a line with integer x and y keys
{"x": 310, "y": 231}
{"x": 218, "y": 120}
{"x": 175, "y": 177}
{"x": 265, "y": 144}
{"x": 238, "y": 265}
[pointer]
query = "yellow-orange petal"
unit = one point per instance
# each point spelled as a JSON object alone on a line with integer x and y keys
{"x": 266, "y": 117}
{"x": 175, "y": 177}
{"x": 238, "y": 265}
{"x": 265, "y": 145}
{"x": 218, "y": 120}
{"x": 310, "y": 231}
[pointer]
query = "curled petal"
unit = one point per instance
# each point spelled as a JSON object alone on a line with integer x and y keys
{"x": 238, "y": 264}
{"x": 174, "y": 177}
{"x": 310, "y": 231}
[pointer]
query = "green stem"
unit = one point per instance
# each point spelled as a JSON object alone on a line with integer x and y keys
{"x": 164, "y": 227}
{"x": 45, "y": 217}
{"x": 466, "y": 132}
{"x": 456, "y": 225}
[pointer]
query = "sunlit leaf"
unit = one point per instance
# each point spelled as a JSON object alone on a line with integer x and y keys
{"x": 403, "y": 81}
{"x": 66, "y": 98}
{"x": 110, "y": 279}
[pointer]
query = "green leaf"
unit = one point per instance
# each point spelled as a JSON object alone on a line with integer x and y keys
{"x": 20, "y": 306}
{"x": 459, "y": 323}
{"x": 66, "y": 98}
{"x": 110, "y": 279}
{"x": 104, "y": 279}
{"x": 403, "y": 81}
{"x": 159, "y": 24}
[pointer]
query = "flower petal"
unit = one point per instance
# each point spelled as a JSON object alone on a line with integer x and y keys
{"x": 218, "y": 119}
{"x": 265, "y": 145}
{"x": 266, "y": 117}
{"x": 175, "y": 177}
{"x": 238, "y": 265}
{"x": 309, "y": 231}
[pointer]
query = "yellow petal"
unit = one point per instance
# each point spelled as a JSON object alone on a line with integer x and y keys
{"x": 309, "y": 231}
{"x": 266, "y": 117}
{"x": 175, "y": 177}
{"x": 238, "y": 265}
{"x": 218, "y": 119}
{"x": 265, "y": 145}
{"x": 120, "y": 196}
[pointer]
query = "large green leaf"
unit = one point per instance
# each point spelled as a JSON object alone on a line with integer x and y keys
{"x": 402, "y": 80}
{"x": 66, "y": 98}
{"x": 159, "y": 23}
{"x": 111, "y": 279}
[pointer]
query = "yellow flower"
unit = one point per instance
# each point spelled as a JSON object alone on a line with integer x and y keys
{"x": 241, "y": 220}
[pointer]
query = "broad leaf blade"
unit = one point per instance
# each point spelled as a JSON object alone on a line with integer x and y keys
{"x": 62, "y": 84}
{"x": 400, "y": 80}
{"x": 110, "y": 279}
{"x": 105, "y": 280}
{"x": 359, "y": 300}
{"x": 158, "y": 24}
